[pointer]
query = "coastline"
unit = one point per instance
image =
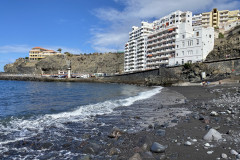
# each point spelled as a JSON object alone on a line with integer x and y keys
{"x": 173, "y": 117}
{"x": 179, "y": 123}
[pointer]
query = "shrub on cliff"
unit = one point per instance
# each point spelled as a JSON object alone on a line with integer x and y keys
{"x": 187, "y": 65}
{"x": 220, "y": 35}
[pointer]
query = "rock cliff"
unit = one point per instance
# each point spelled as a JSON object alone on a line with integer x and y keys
{"x": 227, "y": 47}
{"x": 94, "y": 63}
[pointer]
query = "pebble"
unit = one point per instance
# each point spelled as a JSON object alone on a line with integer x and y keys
{"x": 224, "y": 156}
{"x": 212, "y": 135}
{"x": 160, "y": 132}
{"x": 207, "y": 145}
{"x": 194, "y": 140}
{"x": 213, "y": 113}
{"x": 234, "y": 152}
{"x": 238, "y": 156}
{"x": 136, "y": 156}
{"x": 187, "y": 143}
{"x": 209, "y": 152}
{"x": 158, "y": 148}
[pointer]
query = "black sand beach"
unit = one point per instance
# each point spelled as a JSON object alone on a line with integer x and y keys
{"x": 178, "y": 118}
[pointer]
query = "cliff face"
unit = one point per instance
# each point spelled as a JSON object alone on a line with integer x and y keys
{"x": 95, "y": 63}
{"x": 227, "y": 47}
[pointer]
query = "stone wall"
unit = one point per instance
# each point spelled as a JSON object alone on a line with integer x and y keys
{"x": 167, "y": 76}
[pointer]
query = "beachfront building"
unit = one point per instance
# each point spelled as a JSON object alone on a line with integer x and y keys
{"x": 161, "y": 43}
{"x": 197, "y": 20}
{"x": 135, "y": 48}
{"x": 192, "y": 46}
{"x": 170, "y": 41}
{"x": 38, "y": 53}
{"x": 216, "y": 18}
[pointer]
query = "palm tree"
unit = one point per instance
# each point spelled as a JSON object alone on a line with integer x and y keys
{"x": 59, "y": 50}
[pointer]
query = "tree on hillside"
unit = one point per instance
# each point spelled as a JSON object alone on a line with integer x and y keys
{"x": 59, "y": 50}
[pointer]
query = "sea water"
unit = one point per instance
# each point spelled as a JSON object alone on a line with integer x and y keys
{"x": 36, "y": 118}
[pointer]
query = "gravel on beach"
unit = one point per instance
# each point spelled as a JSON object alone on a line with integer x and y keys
{"x": 193, "y": 123}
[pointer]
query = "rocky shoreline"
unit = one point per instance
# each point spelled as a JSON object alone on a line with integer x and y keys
{"x": 170, "y": 125}
{"x": 178, "y": 128}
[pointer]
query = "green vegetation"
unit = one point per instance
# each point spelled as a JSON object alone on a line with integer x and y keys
{"x": 59, "y": 50}
{"x": 187, "y": 65}
{"x": 220, "y": 35}
{"x": 68, "y": 54}
{"x": 26, "y": 58}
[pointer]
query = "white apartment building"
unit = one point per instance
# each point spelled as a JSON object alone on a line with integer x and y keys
{"x": 171, "y": 40}
{"x": 161, "y": 44}
{"x": 135, "y": 48}
{"x": 197, "y": 20}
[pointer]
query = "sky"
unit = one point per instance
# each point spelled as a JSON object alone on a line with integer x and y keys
{"x": 83, "y": 26}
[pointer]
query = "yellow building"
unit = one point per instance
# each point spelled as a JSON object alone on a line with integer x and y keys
{"x": 216, "y": 18}
{"x": 38, "y": 53}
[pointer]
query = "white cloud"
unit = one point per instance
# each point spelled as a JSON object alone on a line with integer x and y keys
{"x": 120, "y": 21}
{"x": 14, "y": 49}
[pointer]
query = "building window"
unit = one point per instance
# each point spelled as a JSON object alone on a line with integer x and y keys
{"x": 182, "y": 61}
{"x": 183, "y": 53}
{"x": 197, "y": 41}
{"x": 197, "y": 33}
{"x": 183, "y": 36}
{"x": 183, "y": 44}
{"x": 177, "y": 46}
{"x": 210, "y": 35}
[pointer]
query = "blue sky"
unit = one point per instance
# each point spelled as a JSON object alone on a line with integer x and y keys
{"x": 82, "y": 26}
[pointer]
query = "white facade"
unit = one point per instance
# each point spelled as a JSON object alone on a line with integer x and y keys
{"x": 135, "y": 48}
{"x": 228, "y": 26}
{"x": 197, "y": 20}
{"x": 193, "y": 47}
{"x": 169, "y": 41}
{"x": 162, "y": 42}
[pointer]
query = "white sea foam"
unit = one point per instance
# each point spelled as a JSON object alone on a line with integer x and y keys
{"x": 104, "y": 107}
{"x": 19, "y": 129}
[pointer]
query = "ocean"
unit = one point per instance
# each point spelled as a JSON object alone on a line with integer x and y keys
{"x": 38, "y": 119}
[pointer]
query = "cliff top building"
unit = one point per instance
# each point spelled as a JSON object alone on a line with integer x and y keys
{"x": 215, "y": 18}
{"x": 38, "y": 53}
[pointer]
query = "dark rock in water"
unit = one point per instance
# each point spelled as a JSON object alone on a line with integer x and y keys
{"x": 145, "y": 142}
{"x": 114, "y": 151}
{"x": 136, "y": 156}
{"x": 160, "y": 132}
{"x": 46, "y": 145}
{"x": 86, "y": 136}
{"x": 86, "y": 157}
{"x": 115, "y": 133}
{"x": 158, "y": 148}
{"x": 91, "y": 148}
